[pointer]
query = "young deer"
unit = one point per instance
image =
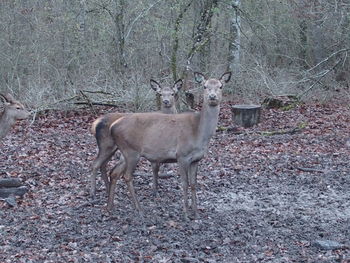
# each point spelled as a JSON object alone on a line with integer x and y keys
{"x": 106, "y": 145}
{"x": 13, "y": 111}
{"x": 181, "y": 138}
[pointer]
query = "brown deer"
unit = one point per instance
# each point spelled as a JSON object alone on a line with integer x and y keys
{"x": 106, "y": 145}
{"x": 13, "y": 111}
{"x": 160, "y": 138}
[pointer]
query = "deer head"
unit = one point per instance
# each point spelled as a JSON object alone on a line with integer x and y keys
{"x": 212, "y": 94}
{"x": 13, "y": 108}
{"x": 167, "y": 94}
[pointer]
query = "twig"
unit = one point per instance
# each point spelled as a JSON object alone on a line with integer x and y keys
{"x": 142, "y": 13}
{"x": 88, "y": 100}
{"x": 290, "y": 131}
{"x": 304, "y": 169}
{"x": 161, "y": 176}
{"x": 97, "y": 92}
{"x": 49, "y": 106}
{"x": 318, "y": 80}
{"x": 329, "y": 57}
{"x": 88, "y": 203}
{"x": 96, "y": 103}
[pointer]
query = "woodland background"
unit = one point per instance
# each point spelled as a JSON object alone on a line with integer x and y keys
{"x": 275, "y": 192}
{"x": 53, "y": 52}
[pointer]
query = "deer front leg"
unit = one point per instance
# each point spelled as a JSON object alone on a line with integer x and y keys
{"x": 100, "y": 162}
{"x": 193, "y": 185}
{"x": 183, "y": 170}
{"x": 155, "y": 169}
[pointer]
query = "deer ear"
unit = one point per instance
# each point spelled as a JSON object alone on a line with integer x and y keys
{"x": 8, "y": 97}
{"x": 156, "y": 86}
{"x": 226, "y": 77}
{"x": 3, "y": 97}
{"x": 177, "y": 85}
{"x": 199, "y": 77}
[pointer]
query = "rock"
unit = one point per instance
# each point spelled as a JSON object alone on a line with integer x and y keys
{"x": 327, "y": 244}
{"x": 11, "y": 201}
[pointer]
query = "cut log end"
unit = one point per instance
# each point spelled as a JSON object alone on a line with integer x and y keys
{"x": 246, "y": 115}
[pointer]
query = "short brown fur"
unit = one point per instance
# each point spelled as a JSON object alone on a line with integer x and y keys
{"x": 106, "y": 146}
{"x": 13, "y": 111}
{"x": 181, "y": 138}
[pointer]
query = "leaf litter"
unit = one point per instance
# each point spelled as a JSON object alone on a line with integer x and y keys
{"x": 261, "y": 198}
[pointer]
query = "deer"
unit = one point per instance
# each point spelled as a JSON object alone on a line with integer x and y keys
{"x": 106, "y": 146}
{"x": 13, "y": 111}
{"x": 160, "y": 138}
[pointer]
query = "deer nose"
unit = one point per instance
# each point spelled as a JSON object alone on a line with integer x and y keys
{"x": 212, "y": 96}
{"x": 166, "y": 102}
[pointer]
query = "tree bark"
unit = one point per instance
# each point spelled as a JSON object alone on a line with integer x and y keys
{"x": 235, "y": 38}
{"x": 175, "y": 48}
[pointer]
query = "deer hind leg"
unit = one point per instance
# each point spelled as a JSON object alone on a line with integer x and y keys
{"x": 131, "y": 162}
{"x": 103, "y": 170}
{"x": 104, "y": 175}
{"x": 100, "y": 163}
{"x": 193, "y": 184}
{"x": 116, "y": 173}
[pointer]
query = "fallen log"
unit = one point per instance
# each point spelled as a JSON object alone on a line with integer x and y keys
{"x": 15, "y": 191}
{"x": 10, "y": 182}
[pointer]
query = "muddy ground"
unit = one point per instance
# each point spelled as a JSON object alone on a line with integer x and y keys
{"x": 266, "y": 194}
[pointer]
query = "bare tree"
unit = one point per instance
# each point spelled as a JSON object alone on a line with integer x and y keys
{"x": 235, "y": 37}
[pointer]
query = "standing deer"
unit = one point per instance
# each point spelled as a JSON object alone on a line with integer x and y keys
{"x": 106, "y": 145}
{"x": 13, "y": 111}
{"x": 181, "y": 138}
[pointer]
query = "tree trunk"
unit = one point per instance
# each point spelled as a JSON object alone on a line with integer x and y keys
{"x": 173, "y": 61}
{"x": 235, "y": 38}
{"x": 303, "y": 43}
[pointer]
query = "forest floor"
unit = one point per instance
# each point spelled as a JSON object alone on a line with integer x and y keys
{"x": 271, "y": 193}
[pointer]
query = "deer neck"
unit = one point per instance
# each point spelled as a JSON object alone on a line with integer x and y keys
{"x": 5, "y": 124}
{"x": 209, "y": 117}
{"x": 168, "y": 110}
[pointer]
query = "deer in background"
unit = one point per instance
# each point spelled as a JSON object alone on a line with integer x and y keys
{"x": 106, "y": 146}
{"x": 13, "y": 111}
{"x": 160, "y": 138}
